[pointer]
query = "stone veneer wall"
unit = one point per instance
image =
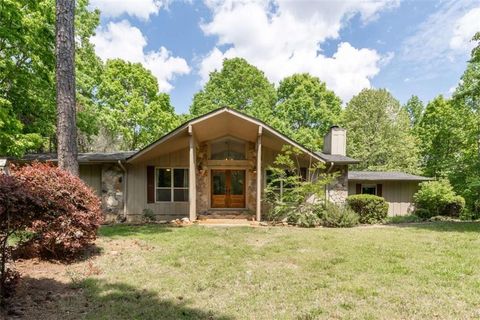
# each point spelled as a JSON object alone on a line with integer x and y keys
{"x": 203, "y": 183}
{"x": 112, "y": 192}
{"x": 337, "y": 191}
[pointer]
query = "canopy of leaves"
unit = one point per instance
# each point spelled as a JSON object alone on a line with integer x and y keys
{"x": 238, "y": 85}
{"x": 379, "y": 133}
{"x": 133, "y": 110}
{"x": 27, "y": 70}
{"x": 414, "y": 108}
{"x": 306, "y": 109}
{"x": 26, "y": 73}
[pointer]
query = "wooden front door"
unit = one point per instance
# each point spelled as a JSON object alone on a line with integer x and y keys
{"x": 228, "y": 188}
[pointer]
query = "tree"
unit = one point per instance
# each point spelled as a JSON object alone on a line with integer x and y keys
{"x": 133, "y": 110}
{"x": 238, "y": 85}
{"x": 88, "y": 71}
{"x": 379, "y": 133}
{"x": 65, "y": 80}
{"x": 414, "y": 108}
{"x": 27, "y": 75}
{"x": 306, "y": 108}
{"x": 443, "y": 137}
{"x": 27, "y": 40}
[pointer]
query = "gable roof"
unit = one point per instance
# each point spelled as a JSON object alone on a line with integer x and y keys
{"x": 384, "y": 176}
{"x": 214, "y": 113}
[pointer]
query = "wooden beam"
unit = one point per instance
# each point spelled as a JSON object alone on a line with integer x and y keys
{"x": 192, "y": 181}
{"x": 259, "y": 175}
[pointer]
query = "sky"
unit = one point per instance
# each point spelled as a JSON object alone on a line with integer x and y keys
{"x": 408, "y": 47}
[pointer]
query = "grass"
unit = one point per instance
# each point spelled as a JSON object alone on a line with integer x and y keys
{"x": 418, "y": 271}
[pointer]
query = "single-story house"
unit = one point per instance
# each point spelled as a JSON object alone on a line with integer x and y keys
{"x": 217, "y": 165}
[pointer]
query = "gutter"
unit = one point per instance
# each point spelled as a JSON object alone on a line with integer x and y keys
{"x": 125, "y": 188}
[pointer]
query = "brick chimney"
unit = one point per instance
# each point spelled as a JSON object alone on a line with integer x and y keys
{"x": 335, "y": 141}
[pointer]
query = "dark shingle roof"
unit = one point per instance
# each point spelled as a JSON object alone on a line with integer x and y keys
{"x": 82, "y": 157}
{"x": 379, "y": 175}
{"x": 336, "y": 158}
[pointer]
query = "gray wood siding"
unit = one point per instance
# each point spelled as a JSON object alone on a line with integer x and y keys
{"x": 137, "y": 187}
{"x": 92, "y": 176}
{"x": 398, "y": 194}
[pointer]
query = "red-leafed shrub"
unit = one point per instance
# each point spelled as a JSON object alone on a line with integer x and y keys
{"x": 71, "y": 212}
{"x": 18, "y": 208}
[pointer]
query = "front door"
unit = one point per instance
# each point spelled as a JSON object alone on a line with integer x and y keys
{"x": 228, "y": 188}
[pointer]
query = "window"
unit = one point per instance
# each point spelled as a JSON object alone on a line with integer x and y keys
{"x": 369, "y": 189}
{"x": 227, "y": 149}
{"x": 171, "y": 185}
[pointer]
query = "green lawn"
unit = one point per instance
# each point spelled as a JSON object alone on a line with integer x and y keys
{"x": 421, "y": 271}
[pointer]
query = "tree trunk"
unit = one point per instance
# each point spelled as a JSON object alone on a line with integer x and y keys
{"x": 65, "y": 77}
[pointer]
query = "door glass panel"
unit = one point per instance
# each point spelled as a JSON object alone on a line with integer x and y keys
{"x": 219, "y": 182}
{"x": 237, "y": 182}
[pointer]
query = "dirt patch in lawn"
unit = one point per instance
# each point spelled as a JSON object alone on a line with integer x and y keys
{"x": 43, "y": 285}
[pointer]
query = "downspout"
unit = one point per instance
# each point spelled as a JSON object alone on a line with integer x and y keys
{"x": 326, "y": 186}
{"x": 125, "y": 188}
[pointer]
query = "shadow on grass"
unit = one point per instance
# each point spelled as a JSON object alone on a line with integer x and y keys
{"x": 96, "y": 299}
{"x": 119, "y": 230}
{"x": 444, "y": 226}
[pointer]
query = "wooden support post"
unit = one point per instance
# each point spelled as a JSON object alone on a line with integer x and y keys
{"x": 192, "y": 184}
{"x": 259, "y": 175}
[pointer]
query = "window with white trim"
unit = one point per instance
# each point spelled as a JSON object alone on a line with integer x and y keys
{"x": 171, "y": 185}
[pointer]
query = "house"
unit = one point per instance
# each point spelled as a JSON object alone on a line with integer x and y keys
{"x": 217, "y": 165}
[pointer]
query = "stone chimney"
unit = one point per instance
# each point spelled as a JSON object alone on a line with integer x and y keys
{"x": 335, "y": 141}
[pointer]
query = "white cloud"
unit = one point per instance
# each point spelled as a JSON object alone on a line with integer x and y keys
{"x": 141, "y": 9}
{"x": 124, "y": 41}
{"x": 284, "y": 37}
{"x": 445, "y": 35}
{"x": 464, "y": 29}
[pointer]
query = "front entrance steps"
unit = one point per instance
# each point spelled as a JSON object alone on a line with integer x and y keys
{"x": 230, "y": 214}
{"x": 227, "y": 223}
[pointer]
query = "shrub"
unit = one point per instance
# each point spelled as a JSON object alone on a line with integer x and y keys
{"x": 18, "y": 208}
{"x": 336, "y": 216}
{"x": 304, "y": 216}
{"x": 436, "y": 198}
{"x": 404, "y": 219}
{"x": 371, "y": 209}
{"x": 148, "y": 215}
{"x": 71, "y": 212}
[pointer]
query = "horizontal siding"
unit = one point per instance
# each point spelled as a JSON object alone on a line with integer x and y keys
{"x": 137, "y": 186}
{"x": 398, "y": 194}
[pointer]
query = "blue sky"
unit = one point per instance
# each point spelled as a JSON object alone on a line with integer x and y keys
{"x": 408, "y": 47}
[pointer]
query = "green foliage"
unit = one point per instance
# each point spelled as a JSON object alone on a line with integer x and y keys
{"x": 379, "y": 133}
{"x": 27, "y": 64}
{"x": 411, "y": 218}
{"x": 148, "y": 215}
{"x": 436, "y": 198}
{"x": 238, "y": 85}
{"x": 444, "y": 135}
{"x": 337, "y": 216}
{"x": 133, "y": 111}
{"x": 370, "y": 208}
{"x": 288, "y": 195}
{"x": 306, "y": 109}
{"x": 414, "y": 108}
{"x": 27, "y": 72}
